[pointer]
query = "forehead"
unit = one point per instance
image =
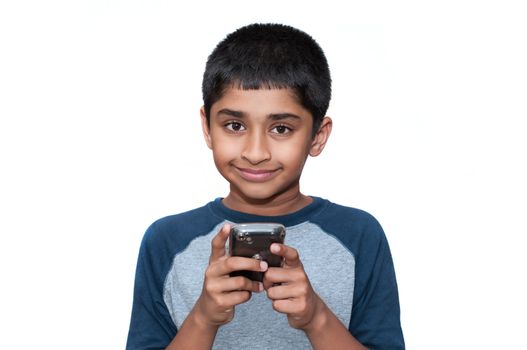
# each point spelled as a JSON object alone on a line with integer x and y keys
{"x": 261, "y": 102}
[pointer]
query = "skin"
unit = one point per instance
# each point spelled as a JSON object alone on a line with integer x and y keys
{"x": 260, "y": 141}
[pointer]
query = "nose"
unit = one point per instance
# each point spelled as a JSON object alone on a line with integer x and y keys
{"x": 256, "y": 150}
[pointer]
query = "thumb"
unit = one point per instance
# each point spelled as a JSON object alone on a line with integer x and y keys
{"x": 218, "y": 243}
{"x": 290, "y": 255}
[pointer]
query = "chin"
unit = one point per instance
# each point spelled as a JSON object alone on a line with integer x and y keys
{"x": 258, "y": 194}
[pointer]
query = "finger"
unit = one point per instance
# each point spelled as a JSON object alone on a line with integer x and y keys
{"x": 282, "y": 291}
{"x": 238, "y": 263}
{"x": 218, "y": 243}
{"x": 240, "y": 283}
{"x": 266, "y": 283}
{"x": 233, "y": 284}
{"x": 287, "y": 306}
{"x": 290, "y": 255}
{"x": 276, "y": 275}
{"x": 229, "y": 300}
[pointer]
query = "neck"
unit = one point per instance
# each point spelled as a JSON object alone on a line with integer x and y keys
{"x": 281, "y": 204}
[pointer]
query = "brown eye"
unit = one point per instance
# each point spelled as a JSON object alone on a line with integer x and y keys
{"x": 234, "y": 126}
{"x": 281, "y": 129}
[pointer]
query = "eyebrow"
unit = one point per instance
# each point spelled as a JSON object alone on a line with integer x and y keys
{"x": 232, "y": 113}
{"x": 281, "y": 116}
{"x": 273, "y": 116}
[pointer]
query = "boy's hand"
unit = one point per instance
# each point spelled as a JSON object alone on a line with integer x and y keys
{"x": 221, "y": 293}
{"x": 290, "y": 290}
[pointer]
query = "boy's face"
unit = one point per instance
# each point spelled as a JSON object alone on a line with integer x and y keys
{"x": 260, "y": 140}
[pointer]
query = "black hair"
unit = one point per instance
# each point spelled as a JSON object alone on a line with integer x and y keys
{"x": 270, "y": 56}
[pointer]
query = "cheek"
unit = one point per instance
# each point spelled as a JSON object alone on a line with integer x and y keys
{"x": 293, "y": 154}
{"x": 223, "y": 151}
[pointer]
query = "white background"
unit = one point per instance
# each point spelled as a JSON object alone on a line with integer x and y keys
{"x": 100, "y": 135}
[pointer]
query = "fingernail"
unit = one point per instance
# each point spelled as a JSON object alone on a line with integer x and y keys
{"x": 263, "y": 265}
{"x": 275, "y": 248}
{"x": 260, "y": 287}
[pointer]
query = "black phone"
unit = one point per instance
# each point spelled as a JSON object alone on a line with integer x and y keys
{"x": 253, "y": 240}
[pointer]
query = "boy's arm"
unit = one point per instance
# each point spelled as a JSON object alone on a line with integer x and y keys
{"x": 220, "y": 294}
{"x": 194, "y": 334}
{"x": 291, "y": 292}
{"x": 327, "y": 332}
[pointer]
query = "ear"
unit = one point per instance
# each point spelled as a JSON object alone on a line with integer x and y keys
{"x": 205, "y": 127}
{"x": 321, "y": 137}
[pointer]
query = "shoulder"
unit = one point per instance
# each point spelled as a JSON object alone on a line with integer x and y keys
{"x": 175, "y": 232}
{"x": 355, "y": 228}
{"x": 336, "y": 216}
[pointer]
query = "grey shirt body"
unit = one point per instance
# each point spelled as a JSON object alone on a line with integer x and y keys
{"x": 329, "y": 265}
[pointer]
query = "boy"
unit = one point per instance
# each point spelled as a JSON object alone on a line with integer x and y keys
{"x": 266, "y": 89}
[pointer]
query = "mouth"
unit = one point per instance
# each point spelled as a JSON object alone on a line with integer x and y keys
{"x": 256, "y": 175}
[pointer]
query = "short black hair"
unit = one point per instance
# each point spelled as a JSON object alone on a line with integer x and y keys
{"x": 270, "y": 56}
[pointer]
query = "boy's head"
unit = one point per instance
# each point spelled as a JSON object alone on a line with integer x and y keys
{"x": 270, "y": 56}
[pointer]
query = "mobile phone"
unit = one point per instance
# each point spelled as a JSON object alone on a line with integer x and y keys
{"x": 253, "y": 240}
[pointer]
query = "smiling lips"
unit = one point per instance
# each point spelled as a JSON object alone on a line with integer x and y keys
{"x": 256, "y": 175}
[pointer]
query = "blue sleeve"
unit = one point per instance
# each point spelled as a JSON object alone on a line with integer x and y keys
{"x": 151, "y": 326}
{"x": 375, "y": 318}
{"x": 375, "y": 315}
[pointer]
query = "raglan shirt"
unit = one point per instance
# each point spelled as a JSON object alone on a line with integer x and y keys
{"x": 343, "y": 250}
